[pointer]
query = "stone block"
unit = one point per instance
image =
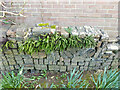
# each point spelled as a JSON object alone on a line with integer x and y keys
{"x": 99, "y": 44}
{"x": 51, "y": 67}
{"x": 92, "y": 63}
{"x": 35, "y": 55}
{"x": 15, "y": 51}
{"x": 90, "y": 52}
{"x": 54, "y": 62}
{"x": 18, "y": 57}
{"x": 86, "y": 64}
{"x": 57, "y": 56}
{"x": 60, "y": 63}
{"x": 87, "y": 59}
{"x": 41, "y": 67}
{"x": 71, "y": 67}
{"x": 51, "y": 57}
{"x": 36, "y": 61}
{"x": 113, "y": 47}
{"x": 97, "y": 53}
{"x": 1, "y": 66}
{"x": 76, "y": 59}
{"x": 50, "y": 62}
{"x": 20, "y": 62}
{"x": 67, "y": 63}
{"x": 74, "y": 63}
{"x": 27, "y": 59}
{"x": 40, "y": 61}
{"x": 68, "y": 54}
{"x": 54, "y": 67}
{"x": 28, "y": 66}
{"x": 46, "y": 61}
{"x": 97, "y": 64}
{"x": 63, "y": 55}
{"x": 81, "y": 63}
{"x": 8, "y": 52}
{"x": 62, "y": 68}
{"x": 5, "y": 63}
{"x": 109, "y": 61}
{"x": 11, "y": 61}
{"x": 42, "y": 54}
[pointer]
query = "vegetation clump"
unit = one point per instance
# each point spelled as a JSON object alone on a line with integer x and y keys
{"x": 54, "y": 42}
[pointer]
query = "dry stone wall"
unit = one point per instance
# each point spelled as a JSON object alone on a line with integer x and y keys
{"x": 104, "y": 54}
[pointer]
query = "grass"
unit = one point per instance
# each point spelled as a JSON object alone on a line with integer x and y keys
{"x": 73, "y": 79}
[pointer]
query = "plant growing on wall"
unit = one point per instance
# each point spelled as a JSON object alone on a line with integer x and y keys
{"x": 54, "y": 42}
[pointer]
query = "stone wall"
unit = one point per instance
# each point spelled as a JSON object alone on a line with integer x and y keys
{"x": 105, "y": 53}
{"x": 83, "y": 59}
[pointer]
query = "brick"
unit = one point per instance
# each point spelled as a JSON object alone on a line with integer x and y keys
{"x": 20, "y": 62}
{"x": 76, "y": 2}
{"x": 82, "y": 6}
{"x": 41, "y": 67}
{"x": 57, "y": 6}
{"x": 54, "y": 67}
{"x": 69, "y": 6}
{"x": 5, "y": 63}
{"x": 71, "y": 67}
{"x": 89, "y": 3}
{"x": 35, "y": 61}
{"x": 108, "y": 6}
{"x": 48, "y": 6}
{"x": 11, "y": 61}
{"x": 62, "y": 68}
{"x": 40, "y": 61}
{"x": 113, "y": 11}
{"x": 106, "y": 15}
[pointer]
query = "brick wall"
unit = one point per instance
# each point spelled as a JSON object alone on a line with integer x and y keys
{"x": 102, "y": 14}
